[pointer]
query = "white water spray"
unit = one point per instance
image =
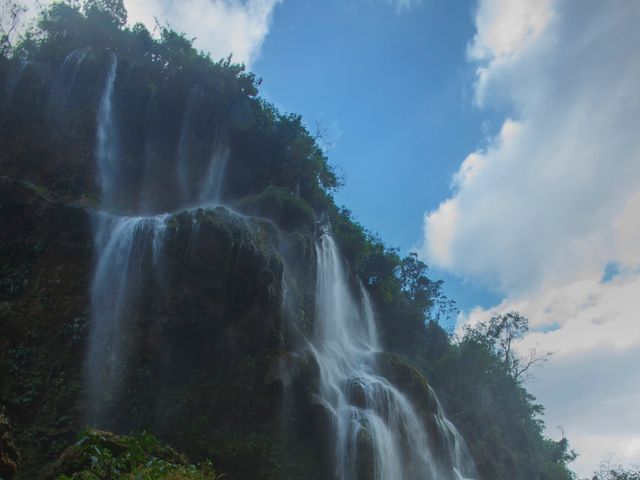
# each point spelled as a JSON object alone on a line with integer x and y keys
{"x": 212, "y": 185}
{"x": 198, "y": 186}
{"x": 128, "y": 249}
{"x": 107, "y": 138}
{"x": 184, "y": 171}
{"x": 65, "y": 82}
{"x": 377, "y": 433}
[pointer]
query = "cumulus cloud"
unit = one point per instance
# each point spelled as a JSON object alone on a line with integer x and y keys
{"x": 553, "y": 199}
{"x": 555, "y": 191}
{"x": 220, "y": 27}
{"x": 580, "y": 316}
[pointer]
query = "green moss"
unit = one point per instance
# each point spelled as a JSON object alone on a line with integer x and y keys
{"x": 172, "y": 221}
{"x": 285, "y": 208}
{"x": 92, "y": 200}
{"x": 38, "y": 190}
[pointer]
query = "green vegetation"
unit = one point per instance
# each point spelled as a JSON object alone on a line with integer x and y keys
{"x": 483, "y": 392}
{"x": 285, "y": 208}
{"x": 101, "y": 455}
{"x": 610, "y": 470}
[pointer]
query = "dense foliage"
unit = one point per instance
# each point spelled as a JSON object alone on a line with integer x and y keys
{"x": 498, "y": 417}
{"x": 100, "y": 455}
{"x": 610, "y": 470}
{"x": 279, "y": 171}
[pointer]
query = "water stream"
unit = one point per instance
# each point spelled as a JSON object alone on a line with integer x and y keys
{"x": 107, "y": 138}
{"x": 129, "y": 247}
{"x": 377, "y": 433}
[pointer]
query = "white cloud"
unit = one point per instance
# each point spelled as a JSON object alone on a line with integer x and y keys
{"x": 504, "y": 30}
{"x": 220, "y": 27}
{"x": 27, "y": 16}
{"x": 504, "y": 27}
{"x": 595, "y": 397}
{"x": 554, "y": 199}
{"x": 578, "y": 317}
{"x": 442, "y": 225}
{"x": 554, "y": 191}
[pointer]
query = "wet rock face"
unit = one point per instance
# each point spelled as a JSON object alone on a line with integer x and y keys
{"x": 410, "y": 381}
{"x": 445, "y": 441}
{"x": 205, "y": 331}
{"x": 207, "y": 325}
{"x": 9, "y": 457}
{"x": 365, "y": 456}
{"x": 45, "y": 262}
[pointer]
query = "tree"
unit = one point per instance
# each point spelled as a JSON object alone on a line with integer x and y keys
{"x": 558, "y": 457}
{"x": 113, "y": 9}
{"x": 418, "y": 288}
{"x": 10, "y": 16}
{"x": 610, "y": 470}
{"x": 501, "y": 332}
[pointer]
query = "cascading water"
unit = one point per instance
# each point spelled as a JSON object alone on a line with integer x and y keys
{"x": 13, "y": 80}
{"x": 184, "y": 172}
{"x": 107, "y": 139}
{"x": 210, "y": 189}
{"x": 377, "y": 433}
{"x": 128, "y": 249}
{"x": 65, "y": 81}
{"x": 197, "y": 186}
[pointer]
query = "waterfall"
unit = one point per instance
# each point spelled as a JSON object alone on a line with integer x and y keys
{"x": 184, "y": 171}
{"x": 13, "y": 81}
{"x": 377, "y": 433}
{"x": 206, "y": 189}
{"x": 128, "y": 248}
{"x": 65, "y": 82}
{"x": 210, "y": 189}
{"x": 107, "y": 139}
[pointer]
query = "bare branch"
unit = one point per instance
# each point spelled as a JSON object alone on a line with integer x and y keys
{"x": 11, "y": 15}
{"x": 322, "y": 136}
{"x": 522, "y": 366}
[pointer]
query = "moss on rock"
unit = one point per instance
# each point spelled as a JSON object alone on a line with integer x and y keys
{"x": 285, "y": 208}
{"x": 99, "y": 454}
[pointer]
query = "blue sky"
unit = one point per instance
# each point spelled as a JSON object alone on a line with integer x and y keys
{"x": 393, "y": 90}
